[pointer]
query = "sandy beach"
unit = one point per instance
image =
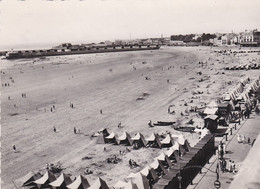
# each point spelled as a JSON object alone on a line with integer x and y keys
{"x": 129, "y": 87}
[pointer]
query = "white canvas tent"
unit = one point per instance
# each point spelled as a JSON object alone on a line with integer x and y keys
{"x": 154, "y": 164}
{"x": 120, "y": 185}
{"x": 151, "y": 138}
{"x": 80, "y": 182}
{"x": 130, "y": 185}
{"x": 45, "y": 179}
{"x": 62, "y": 181}
{"x": 141, "y": 181}
{"x": 111, "y": 136}
{"x": 161, "y": 157}
{"x": 145, "y": 171}
{"x": 28, "y": 179}
{"x": 167, "y": 139}
{"x": 99, "y": 184}
{"x": 180, "y": 138}
{"x": 131, "y": 175}
{"x": 212, "y": 104}
{"x": 210, "y": 111}
{"x": 126, "y": 138}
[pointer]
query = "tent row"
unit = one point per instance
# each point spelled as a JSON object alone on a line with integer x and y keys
{"x": 48, "y": 180}
{"x": 241, "y": 93}
{"x": 154, "y": 140}
{"x": 188, "y": 165}
{"x": 243, "y": 67}
{"x": 161, "y": 165}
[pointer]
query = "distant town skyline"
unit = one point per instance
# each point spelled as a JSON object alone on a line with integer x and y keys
{"x": 34, "y": 22}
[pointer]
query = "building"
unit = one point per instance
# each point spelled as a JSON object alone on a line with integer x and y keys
{"x": 250, "y": 38}
{"x": 216, "y": 41}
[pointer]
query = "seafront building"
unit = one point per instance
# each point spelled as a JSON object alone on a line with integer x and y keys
{"x": 246, "y": 38}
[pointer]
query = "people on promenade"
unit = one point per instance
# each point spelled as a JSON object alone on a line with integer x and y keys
{"x": 243, "y": 139}
{"x": 239, "y": 138}
{"x": 229, "y": 166}
{"x": 233, "y": 167}
{"x": 223, "y": 165}
{"x": 221, "y": 150}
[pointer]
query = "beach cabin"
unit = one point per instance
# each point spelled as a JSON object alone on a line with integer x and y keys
{"x": 211, "y": 123}
{"x": 224, "y": 109}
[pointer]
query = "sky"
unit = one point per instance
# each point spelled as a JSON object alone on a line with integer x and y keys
{"x": 32, "y": 23}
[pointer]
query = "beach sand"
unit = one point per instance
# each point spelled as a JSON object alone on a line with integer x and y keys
{"x": 109, "y": 82}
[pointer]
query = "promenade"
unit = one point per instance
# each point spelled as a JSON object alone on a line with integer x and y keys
{"x": 236, "y": 152}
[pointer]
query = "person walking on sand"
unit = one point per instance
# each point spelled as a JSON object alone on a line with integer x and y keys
{"x": 249, "y": 140}
{"x": 14, "y": 148}
{"x": 54, "y": 129}
{"x": 75, "y": 130}
{"x": 120, "y": 125}
{"x": 101, "y": 111}
{"x": 150, "y": 123}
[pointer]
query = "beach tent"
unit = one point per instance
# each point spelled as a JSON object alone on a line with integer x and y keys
{"x": 141, "y": 181}
{"x": 168, "y": 161}
{"x": 164, "y": 159}
{"x": 167, "y": 141}
{"x": 100, "y": 139}
{"x": 158, "y": 167}
{"x": 80, "y": 183}
{"x": 204, "y": 132}
{"x": 45, "y": 179}
{"x": 111, "y": 138}
{"x": 151, "y": 138}
{"x": 211, "y": 123}
{"x": 130, "y": 185}
{"x": 120, "y": 185}
{"x": 186, "y": 145}
{"x": 145, "y": 171}
{"x": 210, "y": 111}
{"x": 131, "y": 175}
{"x": 103, "y": 131}
{"x": 28, "y": 179}
{"x": 211, "y": 108}
{"x": 179, "y": 138}
{"x": 173, "y": 154}
{"x": 154, "y": 141}
{"x": 139, "y": 138}
{"x": 152, "y": 176}
{"x": 99, "y": 184}
{"x": 212, "y": 104}
{"x": 125, "y": 138}
{"x": 176, "y": 146}
{"x": 62, "y": 181}
{"x": 161, "y": 157}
